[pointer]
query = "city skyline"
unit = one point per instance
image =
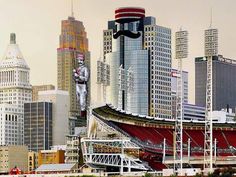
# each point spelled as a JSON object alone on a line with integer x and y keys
{"x": 38, "y": 29}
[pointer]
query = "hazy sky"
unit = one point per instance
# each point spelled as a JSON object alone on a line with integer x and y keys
{"x": 37, "y": 25}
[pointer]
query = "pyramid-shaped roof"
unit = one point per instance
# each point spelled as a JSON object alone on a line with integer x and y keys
{"x": 13, "y": 56}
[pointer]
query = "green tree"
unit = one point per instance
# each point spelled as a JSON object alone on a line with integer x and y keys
{"x": 174, "y": 175}
{"x": 148, "y": 175}
{"x": 198, "y": 175}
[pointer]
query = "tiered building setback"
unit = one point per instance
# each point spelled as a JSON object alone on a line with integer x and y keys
{"x": 15, "y": 90}
{"x": 73, "y": 40}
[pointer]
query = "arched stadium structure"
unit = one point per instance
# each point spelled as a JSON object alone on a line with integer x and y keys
{"x": 149, "y": 133}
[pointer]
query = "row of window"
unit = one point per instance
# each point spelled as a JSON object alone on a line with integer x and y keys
{"x": 156, "y": 40}
{"x": 158, "y": 29}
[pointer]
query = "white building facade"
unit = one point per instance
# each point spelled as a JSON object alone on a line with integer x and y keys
{"x": 10, "y": 126}
{"x": 193, "y": 112}
{"x": 158, "y": 42}
{"x": 60, "y": 114}
{"x": 174, "y": 89}
{"x": 15, "y": 90}
{"x": 184, "y": 84}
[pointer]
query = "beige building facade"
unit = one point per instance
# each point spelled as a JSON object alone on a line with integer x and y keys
{"x": 13, "y": 156}
{"x": 51, "y": 157}
{"x": 37, "y": 88}
{"x": 32, "y": 161}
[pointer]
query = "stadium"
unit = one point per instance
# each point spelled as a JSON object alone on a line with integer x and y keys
{"x": 150, "y": 142}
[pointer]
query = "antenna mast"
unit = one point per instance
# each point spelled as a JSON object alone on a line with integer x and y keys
{"x": 72, "y": 9}
{"x": 211, "y": 19}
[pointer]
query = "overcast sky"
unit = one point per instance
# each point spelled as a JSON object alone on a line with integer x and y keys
{"x": 37, "y": 25}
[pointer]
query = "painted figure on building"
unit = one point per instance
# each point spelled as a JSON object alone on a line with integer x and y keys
{"x": 81, "y": 76}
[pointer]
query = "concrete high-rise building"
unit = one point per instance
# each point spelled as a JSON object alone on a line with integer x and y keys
{"x": 174, "y": 89}
{"x": 13, "y": 156}
{"x": 37, "y": 88}
{"x": 193, "y": 112}
{"x": 15, "y": 90}
{"x": 158, "y": 42}
{"x": 72, "y": 149}
{"x": 9, "y": 123}
{"x": 184, "y": 84}
{"x": 138, "y": 52}
{"x": 38, "y": 125}
{"x": 224, "y": 82}
{"x": 73, "y": 40}
{"x": 60, "y": 114}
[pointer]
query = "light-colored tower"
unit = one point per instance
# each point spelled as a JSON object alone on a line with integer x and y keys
{"x": 211, "y": 49}
{"x": 157, "y": 40}
{"x": 15, "y": 89}
{"x": 73, "y": 40}
{"x": 60, "y": 110}
{"x": 181, "y": 51}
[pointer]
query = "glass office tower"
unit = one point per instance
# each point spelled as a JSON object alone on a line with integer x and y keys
{"x": 38, "y": 125}
{"x": 224, "y": 82}
{"x": 135, "y": 46}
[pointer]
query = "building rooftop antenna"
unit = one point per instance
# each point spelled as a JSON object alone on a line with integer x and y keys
{"x": 101, "y": 50}
{"x": 72, "y": 9}
{"x": 211, "y": 19}
{"x": 180, "y": 29}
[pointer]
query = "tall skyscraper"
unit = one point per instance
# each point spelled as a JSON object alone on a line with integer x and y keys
{"x": 15, "y": 90}
{"x": 138, "y": 52}
{"x": 38, "y": 125}
{"x": 73, "y": 40}
{"x": 224, "y": 82}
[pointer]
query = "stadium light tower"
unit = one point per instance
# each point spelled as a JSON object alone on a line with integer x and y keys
{"x": 103, "y": 76}
{"x": 181, "y": 51}
{"x": 211, "y": 49}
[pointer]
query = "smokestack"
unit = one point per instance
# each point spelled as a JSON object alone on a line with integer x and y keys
{"x": 227, "y": 108}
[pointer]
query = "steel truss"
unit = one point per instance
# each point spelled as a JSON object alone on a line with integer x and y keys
{"x": 179, "y": 121}
{"x": 104, "y": 126}
{"x": 181, "y": 42}
{"x": 211, "y": 49}
{"x": 112, "y": 153}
